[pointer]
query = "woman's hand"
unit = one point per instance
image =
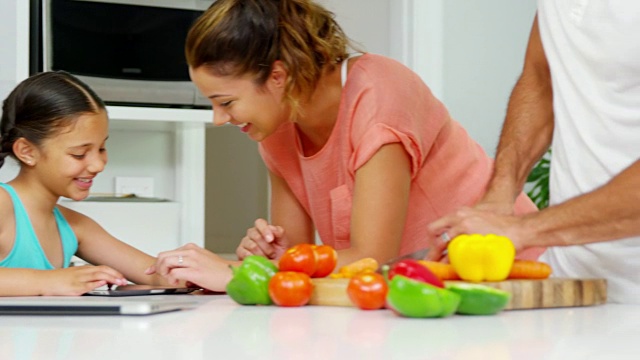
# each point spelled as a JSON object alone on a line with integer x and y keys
{"x": 192, "y": 264}
{"x": 78, "y": 280}
{"x": 263, "y": 239}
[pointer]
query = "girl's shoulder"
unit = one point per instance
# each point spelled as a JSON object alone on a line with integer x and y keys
{"x": 73, "y": 217}
{"x": 7, "y": 218}
{"x": 80, "y": 224}
{"x": 6, "y": 204}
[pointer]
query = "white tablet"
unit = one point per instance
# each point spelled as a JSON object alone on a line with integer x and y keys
{"x": 85, "y": 305}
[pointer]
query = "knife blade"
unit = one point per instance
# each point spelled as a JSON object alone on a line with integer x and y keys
{"x": 416, "y": 255}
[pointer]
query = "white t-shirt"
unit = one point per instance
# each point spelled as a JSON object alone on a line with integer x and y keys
{"x": 593, "y": 50}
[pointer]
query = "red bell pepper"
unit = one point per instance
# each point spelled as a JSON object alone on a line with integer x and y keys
{"x": 414, "y": 270}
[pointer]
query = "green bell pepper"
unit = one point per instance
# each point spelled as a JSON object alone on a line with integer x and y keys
{"x": 250, "y": 282}
{"x": 478, "y": 299}
{"x": 413, "y": 298}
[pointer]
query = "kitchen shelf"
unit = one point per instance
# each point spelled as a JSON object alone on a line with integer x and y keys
{"x": 159, "y": 114}
{"x": 150, "y": 227}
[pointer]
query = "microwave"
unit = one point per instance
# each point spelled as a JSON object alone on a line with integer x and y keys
{"x": 130, "y": 52}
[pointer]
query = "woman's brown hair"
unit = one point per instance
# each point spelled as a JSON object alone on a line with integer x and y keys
{"x": 237, "y": 37}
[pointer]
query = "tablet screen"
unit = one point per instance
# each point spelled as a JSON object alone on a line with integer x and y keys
{"x": 137, "y": 290}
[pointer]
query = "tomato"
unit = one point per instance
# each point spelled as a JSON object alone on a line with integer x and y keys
{"x": 289, "y": 288}
{"x": 326, "y": 260}
{"x": 368, "y": 291}
{"x": 300, "y": 258}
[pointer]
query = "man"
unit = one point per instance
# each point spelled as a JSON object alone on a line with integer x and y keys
{"x": 580, "y": 93}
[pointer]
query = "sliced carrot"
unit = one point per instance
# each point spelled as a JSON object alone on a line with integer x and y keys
{"x": 365, "y": 264}
{"x": 529, "y": 269}
{"x": 441, "y": 270}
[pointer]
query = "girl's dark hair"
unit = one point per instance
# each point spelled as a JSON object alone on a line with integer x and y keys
{"x": 42, "y": 104}
{"x": 237, "y": 37}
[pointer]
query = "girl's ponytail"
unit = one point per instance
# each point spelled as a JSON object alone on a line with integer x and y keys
{"x": 7, "y": 129}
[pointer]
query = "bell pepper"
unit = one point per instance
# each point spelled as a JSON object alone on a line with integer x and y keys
{"x": 250, "y": 282}
{"x": 414, "y": 270}
{"x": 476, "y": 299}
{"x": 481, "y": 257}
{"x": 416, "y": 299}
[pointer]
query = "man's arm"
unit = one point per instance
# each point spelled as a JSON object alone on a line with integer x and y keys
{"x": 610, "y": 212}
{"x": 528, "y": 128}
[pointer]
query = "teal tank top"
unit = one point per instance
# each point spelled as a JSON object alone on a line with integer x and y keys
{"x": 27, "y": 252}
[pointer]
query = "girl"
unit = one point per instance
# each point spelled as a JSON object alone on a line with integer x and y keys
{"x": 56, "y": 128}
{"x": 357, "y": 147}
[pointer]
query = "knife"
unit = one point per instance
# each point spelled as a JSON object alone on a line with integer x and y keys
{"x": 422, "y": 254}
{"x": 416, "y": 255}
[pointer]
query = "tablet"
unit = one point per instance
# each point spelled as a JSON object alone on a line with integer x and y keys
{"x": 94, "y": 305}
{"x": 138, "y": 290}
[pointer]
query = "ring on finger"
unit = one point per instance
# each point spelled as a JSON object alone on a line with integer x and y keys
{"x": 180, "y": 260}
{"x": 445, "y": 237}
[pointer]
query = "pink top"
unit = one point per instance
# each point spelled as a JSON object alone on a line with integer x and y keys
{"x": 384, "y": 102}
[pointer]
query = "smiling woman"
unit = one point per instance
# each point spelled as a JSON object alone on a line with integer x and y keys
{"x": 352, "y": 142}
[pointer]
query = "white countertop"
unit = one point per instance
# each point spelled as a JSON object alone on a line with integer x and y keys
{"x": 220, "y": 329}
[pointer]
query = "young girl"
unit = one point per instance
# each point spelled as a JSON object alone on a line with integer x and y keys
{"x": 357, "y": 147}
{"x": 56, "y": 128}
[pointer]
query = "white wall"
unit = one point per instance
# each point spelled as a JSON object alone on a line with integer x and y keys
{"x": 366, "y": 22}
{"x": 483, "y": 46}
{"x": 15, "y": 61}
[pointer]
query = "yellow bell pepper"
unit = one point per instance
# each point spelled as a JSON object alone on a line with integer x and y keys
{"x": 478, "y": 257}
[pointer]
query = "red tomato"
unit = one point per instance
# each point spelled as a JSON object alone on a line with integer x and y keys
{"x": 368, "y": 291}
{"x": 289, "y": 288}
{"x": 299, "y": 258}
{"x": 326, "y": 260}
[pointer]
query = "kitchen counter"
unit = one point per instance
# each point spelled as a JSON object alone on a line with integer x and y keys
{"x": 220, "y": 329}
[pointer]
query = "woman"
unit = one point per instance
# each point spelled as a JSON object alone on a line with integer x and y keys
{"x": 358, "y": 149}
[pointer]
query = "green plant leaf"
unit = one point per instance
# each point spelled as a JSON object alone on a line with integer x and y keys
{"x": 539, "y": 180}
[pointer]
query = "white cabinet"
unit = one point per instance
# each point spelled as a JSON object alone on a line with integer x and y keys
{"x": 167, "y": 145}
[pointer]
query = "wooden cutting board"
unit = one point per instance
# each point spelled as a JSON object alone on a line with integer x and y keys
{"x": 526, "y": 294}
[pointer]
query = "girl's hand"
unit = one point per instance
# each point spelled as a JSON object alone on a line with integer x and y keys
{"x": 263, "y": 239}
{"x": 78, "y": 280}
{"x": 192, "y": 264}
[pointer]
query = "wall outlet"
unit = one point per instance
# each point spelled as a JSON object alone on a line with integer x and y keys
{"x": 139, "y": 186}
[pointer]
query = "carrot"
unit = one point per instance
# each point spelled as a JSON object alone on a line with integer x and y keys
{"x": 529, "y": 269}
{"x": 441, "y": 270}
{"x": 347, "y": 271}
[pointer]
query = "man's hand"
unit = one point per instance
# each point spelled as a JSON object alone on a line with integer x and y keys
{"x": 474, "y": 221}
